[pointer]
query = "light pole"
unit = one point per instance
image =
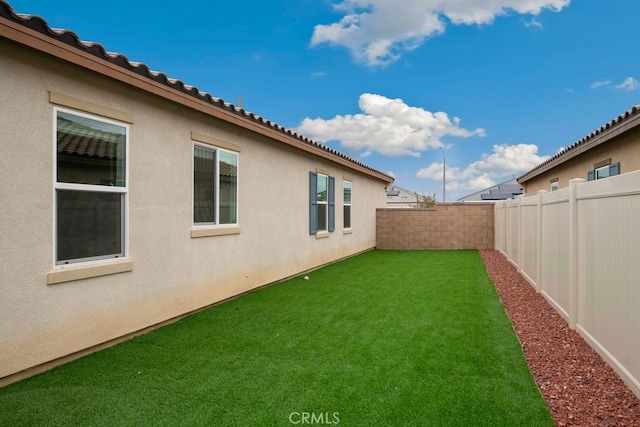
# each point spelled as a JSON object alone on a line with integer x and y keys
{"x": 444, "y": 176}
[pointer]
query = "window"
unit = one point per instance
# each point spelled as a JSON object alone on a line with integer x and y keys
{"x": 554, "y": 184}
{"x": 321, "y": 203}
{"x": 90, "y": 188}
{"x": 322, "y": 198}
{"x": 215, "y": 186}
{"x": 604, "y": 171}
{"x": 346, "y": 201}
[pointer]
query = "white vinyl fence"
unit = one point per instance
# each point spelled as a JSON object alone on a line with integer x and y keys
{"x": 580, "y": 247}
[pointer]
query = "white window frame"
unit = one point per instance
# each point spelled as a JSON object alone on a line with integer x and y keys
{"x": 216, "y": 224}
{"x": 89, "y": 187}
{"x": 602, "y": 169}
{"x": 325, "y": 203}
{"x": 350, "y": 203}
{"x": 595, "y": 173}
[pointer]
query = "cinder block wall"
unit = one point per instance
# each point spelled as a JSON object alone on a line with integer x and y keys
{"x": 447, "y": 226}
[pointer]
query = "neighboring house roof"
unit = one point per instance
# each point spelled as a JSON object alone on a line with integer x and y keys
{"x": 506, "y": 190}
{"x": 395, "y": 191}
{"x": 400, "y": 196}
{"x": 617, "y": 126}
{"x": 33, "y": 31}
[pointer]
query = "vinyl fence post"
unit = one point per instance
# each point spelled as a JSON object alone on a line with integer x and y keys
{"x": 499, "y": 227}
{"x": 520, "y": 239}
{"x": 573, "y": 252}
{"x": 510, "y": 248}
{"x": 539, "y": 234}
{"x": 507, "y": 234}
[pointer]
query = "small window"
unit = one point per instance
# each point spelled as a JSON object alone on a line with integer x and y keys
{"x": 90, "y": 188}
{"x": 215, "y": 186}
{"x": 321, "y": 203}
{"x": 554, "y": 184}
{"x": 346, "y": 199}
{"x": 604, "y": 172}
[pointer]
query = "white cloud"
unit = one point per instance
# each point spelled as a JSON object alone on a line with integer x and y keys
{"x": 533, "y": 23}
{"x": 600, "y": 83}
{"x": 505, "y": 161}
{"x": 318, "y": 74}
{"x": 377, "y": 32}
{"x": 387, "y": 126}
{"x": 629, "y": 84}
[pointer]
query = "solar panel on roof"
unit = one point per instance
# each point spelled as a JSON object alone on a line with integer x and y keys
{"x": 514, "y": 189}
{"x": 496, "y": 196}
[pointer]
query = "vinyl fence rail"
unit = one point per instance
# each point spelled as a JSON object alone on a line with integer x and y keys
{"x": 580, "y": 247}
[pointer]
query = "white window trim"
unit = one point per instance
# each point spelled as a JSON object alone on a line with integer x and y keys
{"x": 601, "y": 168}
{"x": 214, "y": 229}
{"x": 325, "y": 231}
{"x": 347, "y": 230}
{"x": 98, "y": 262}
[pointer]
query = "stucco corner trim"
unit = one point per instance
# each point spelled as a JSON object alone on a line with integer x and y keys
{"x": 199, "y": 137}
{"x": 88, "y": 271}
{"x": 214, "y": 231}
{"x": 89, "y": 107}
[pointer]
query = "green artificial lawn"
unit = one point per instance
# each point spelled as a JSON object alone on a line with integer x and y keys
{"x": 387, "y": 338}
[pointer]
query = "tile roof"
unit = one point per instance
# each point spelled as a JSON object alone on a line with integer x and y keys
{"x": 67, "y": 37}
{"x": 583, "y": 143}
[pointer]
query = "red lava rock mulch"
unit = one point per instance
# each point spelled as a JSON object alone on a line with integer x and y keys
{"x": 578, "y": 386}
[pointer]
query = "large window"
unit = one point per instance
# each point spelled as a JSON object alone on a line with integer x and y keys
{"x": 215, "y": 186}
{"x": 321, "y": 203}
{"x": 346, "y": 201}
{"x": 90, "y": 188}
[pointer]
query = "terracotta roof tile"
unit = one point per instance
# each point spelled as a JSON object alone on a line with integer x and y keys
{"x": 622, "y": 118}
{"x": 68, "y": 37}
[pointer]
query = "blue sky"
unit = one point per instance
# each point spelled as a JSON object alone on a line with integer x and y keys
{"x": 500, "y": 85}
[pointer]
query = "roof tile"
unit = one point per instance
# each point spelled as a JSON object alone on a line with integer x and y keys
{"x": 70, "y": 38}
{"x": 624, "y": 117}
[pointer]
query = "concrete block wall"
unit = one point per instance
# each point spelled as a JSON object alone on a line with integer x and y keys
{"x": 446, "y": 226}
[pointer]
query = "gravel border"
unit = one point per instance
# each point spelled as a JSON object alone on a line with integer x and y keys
{"x": 580, "y": 388}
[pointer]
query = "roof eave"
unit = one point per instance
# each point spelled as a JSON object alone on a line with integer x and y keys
{"x": 599, "y": 139}
{"x": 52, "y": 46}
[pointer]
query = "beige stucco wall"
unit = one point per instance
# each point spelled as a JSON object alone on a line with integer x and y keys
{"x": 172, "y": 273}
{"x": 624, "y": 149}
